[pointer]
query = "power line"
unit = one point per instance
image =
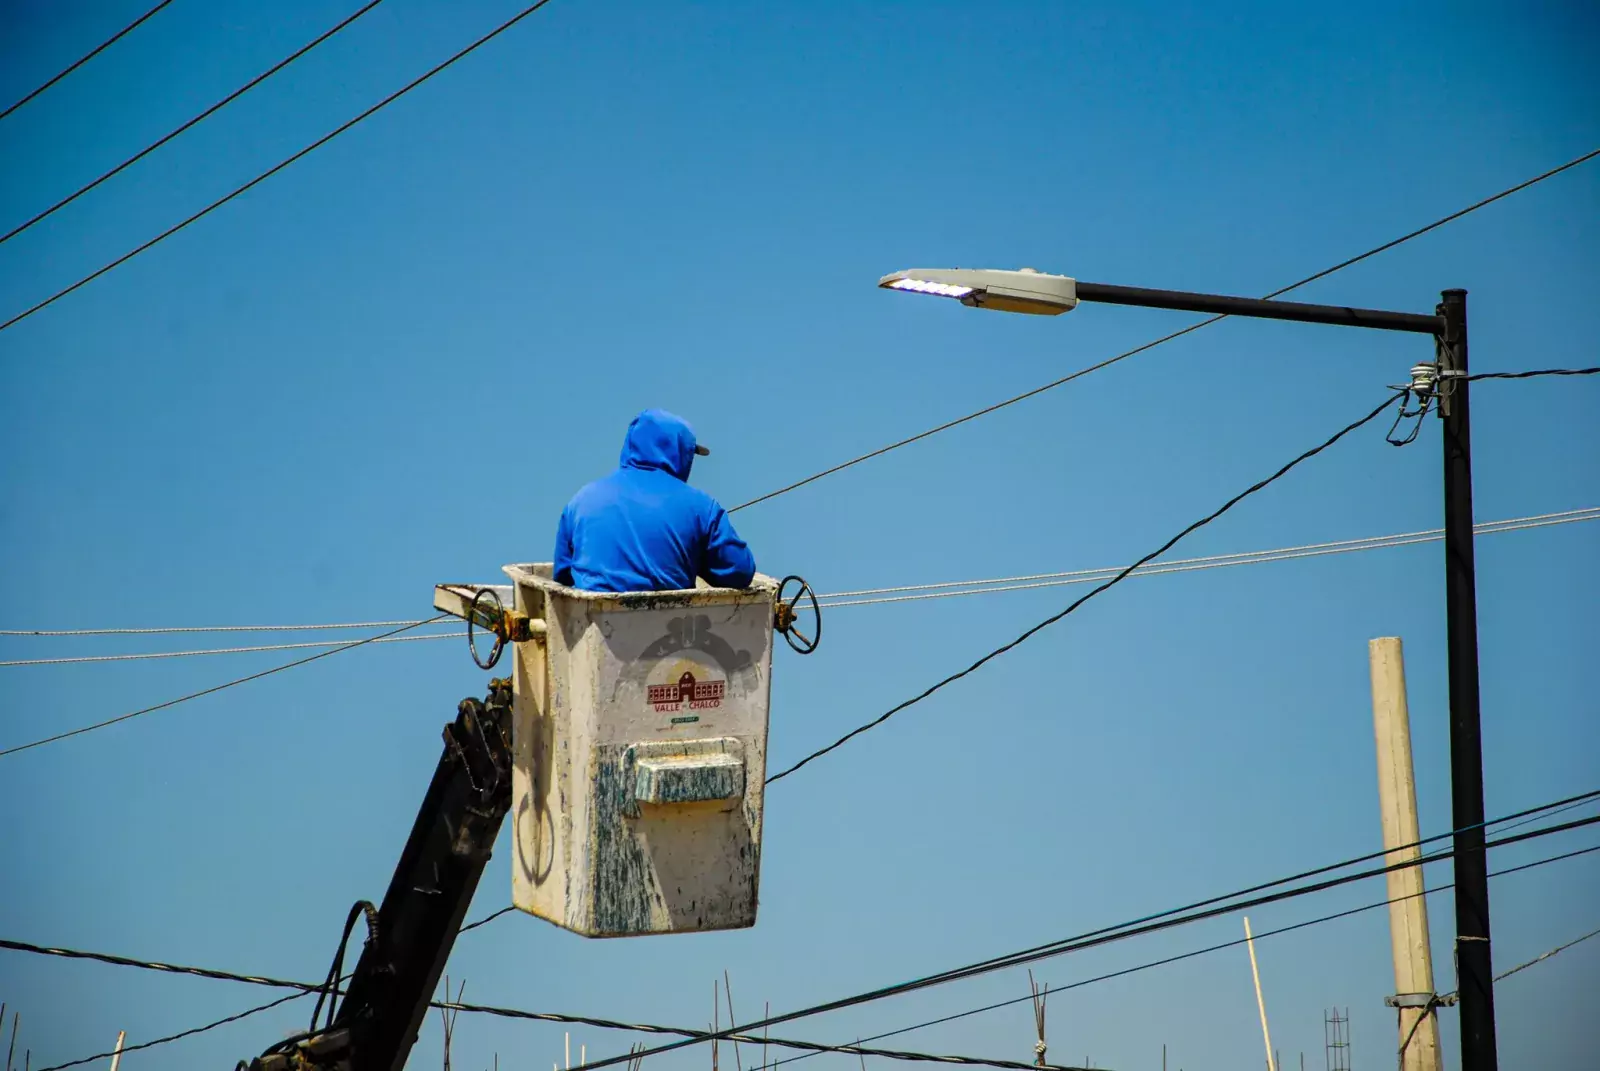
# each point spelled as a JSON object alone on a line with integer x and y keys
{"x": 834, "y": 600}
{"x": 1178, "y": 566}
{"x": 1537, "y": 372}
{"x": 486, "y": 919}
{"x": 1079, "y": 943}
{"x": 180, "y": 1035}
{"x": 1516, "y": 821}
{"x": 113, "y": 960}
{"x": 1554, "y": 951}
{"x": 998, "y": 651}
{"x": 1123, "y": 574}
{"x": 214, "y": 688}
{"x": 915, "y": 592}
{"x": 695, "y": 1036}
{"x": 216, "y": 651}
{"x": 1576, "y": 802}
{"x": 218, "y": 106}
{"x": 213, "y": 206}
{"x": 1220, "y": 947}
{"x": 1169, "y": 337}
{"x": 198, "y": 628}
{"x": 304, "y": 988}
{"x": 113, "y": 39}
{"x": 858, "y": 1049}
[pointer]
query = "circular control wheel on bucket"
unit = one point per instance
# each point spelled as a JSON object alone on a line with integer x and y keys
{"x": 797, "y": 615}
{"x": 496, "y": 613}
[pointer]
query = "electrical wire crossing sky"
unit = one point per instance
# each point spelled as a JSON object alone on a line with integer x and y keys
{"x": 309, "y": 307}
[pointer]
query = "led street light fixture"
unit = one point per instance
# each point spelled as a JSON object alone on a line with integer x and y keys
{"x": 1006, "y": 291}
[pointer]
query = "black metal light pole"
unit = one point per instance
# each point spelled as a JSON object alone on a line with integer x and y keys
{"x": 1444, "y": 382}
{"x": 1449, "y": 326}
{"x": 1475, "y": 973}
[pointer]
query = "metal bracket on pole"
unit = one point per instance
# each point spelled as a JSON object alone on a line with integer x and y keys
{"x": 1445, "y": 363}
{"x": 1420, "y": 1000}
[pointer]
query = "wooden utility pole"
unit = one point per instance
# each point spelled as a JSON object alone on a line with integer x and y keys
{"x": 116, "y": 1056}
{"x": 1408, "y": 909}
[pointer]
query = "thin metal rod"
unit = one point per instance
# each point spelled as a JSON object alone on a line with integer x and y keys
{"x": 1260, "y": 308}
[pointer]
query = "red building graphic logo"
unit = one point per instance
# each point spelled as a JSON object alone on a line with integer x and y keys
{"x": 687, "y": 692}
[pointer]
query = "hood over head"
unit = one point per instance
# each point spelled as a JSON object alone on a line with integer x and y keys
{"x": 660, "y": 440}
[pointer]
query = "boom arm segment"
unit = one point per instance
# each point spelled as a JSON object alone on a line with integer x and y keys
{"x": 376, "y": 1024}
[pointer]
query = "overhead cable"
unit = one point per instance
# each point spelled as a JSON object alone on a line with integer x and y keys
{"x": 1052, "y": 619}
{"x": 1076, "y": 944}
{"x": 487, "y": 919}
{"x": 214, "y": 688}
{"x": 858, "y": 1049}
{"x": 214, "y": 205}
{"x": 1169, "y": 337}
{"x": 915, "y": 592}
{"x": 107, "y": 43}
{"x": 198, "y": 628}
{"x": 1499, "y": 825}
{"x": 307, "y": 988}
{"x": 218, "y": 106}
{"x": 170, "y": 1038}
{"x": 216, "y": 651}
{"x": 1536, "y": 960}
{"x": 834, "y": 600}
{"x": 304, "y": 988}
{"x": 1537, "y": 372}
{"x": 1260, "y": 936}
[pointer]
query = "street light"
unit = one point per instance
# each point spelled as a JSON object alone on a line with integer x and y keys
{"x": 1445, "y": 379}
{"x": 1006, "y": 291}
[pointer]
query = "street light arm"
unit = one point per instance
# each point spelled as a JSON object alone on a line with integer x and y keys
{"x": 1259, "y": 308}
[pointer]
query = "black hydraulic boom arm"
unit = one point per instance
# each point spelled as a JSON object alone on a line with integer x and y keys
{"x": 375, "y": 1025}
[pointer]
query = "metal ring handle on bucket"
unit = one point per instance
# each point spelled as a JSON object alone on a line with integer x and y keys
{"x": 499, "y": 640}
{"x": 787, "y": 615}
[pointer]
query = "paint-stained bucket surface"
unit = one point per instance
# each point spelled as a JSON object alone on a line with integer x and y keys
{"x": 641, "y": 748}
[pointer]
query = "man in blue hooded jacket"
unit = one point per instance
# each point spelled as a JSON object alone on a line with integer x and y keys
{"x": 643, "y": 528}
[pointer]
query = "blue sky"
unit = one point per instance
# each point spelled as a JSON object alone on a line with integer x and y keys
{"x": 390, "y": 365}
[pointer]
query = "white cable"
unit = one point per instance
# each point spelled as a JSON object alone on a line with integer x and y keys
{"x": 1587, "y": 513}
{"x": 929, "y": 591}
{"x": 222, "y": 650}
{"x": 1189, "y": 565}
{"x": 196, "y": 628}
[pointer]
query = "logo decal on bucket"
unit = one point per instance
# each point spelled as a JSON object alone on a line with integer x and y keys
{"x": 687, "y": 692}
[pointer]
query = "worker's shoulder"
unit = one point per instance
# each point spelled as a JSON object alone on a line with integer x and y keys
{"x": 705, "y": 501}
{"x": 685, "y": 496}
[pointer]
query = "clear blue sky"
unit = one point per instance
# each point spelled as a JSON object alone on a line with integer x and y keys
{"x": 390, "y": 365}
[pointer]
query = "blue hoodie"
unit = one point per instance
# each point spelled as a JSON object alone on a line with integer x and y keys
{"x": 643, "y": 528}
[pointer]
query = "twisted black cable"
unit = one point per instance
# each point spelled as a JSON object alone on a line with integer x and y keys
{"x": 1536, "y": 372}
{"x": 335, "y": 132}
{"x": 107, "y": 43}
{"x": 1123, "y": 575}
{"x": 812, "y": 1048}
{"x": 1025, "y": 395}
{"x": 218, "y": 106}
{"x": 1077, "y": 944}
{"x": 1225, "y": 945}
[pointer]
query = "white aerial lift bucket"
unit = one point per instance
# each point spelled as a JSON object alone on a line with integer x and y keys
{"x": 639, "y": 745}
